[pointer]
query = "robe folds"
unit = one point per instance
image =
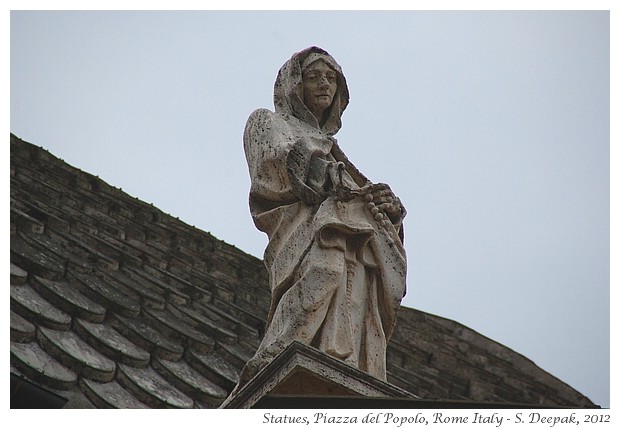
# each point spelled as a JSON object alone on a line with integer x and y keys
{"x": 337, "y": 275}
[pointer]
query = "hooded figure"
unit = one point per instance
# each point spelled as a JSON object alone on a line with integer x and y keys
{"x": 335, "y": 256}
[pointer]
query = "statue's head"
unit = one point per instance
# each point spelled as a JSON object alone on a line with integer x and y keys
{"x": 320, "y": 82}
{"x": 311, "y": 87}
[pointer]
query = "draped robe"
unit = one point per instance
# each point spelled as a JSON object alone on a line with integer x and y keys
{"x": 337, "y": 276}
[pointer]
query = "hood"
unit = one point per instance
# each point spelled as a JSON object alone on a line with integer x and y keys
{"x": 288, "y": 94}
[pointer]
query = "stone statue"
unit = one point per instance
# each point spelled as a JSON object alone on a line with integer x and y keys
{"x": 335, "y": 256}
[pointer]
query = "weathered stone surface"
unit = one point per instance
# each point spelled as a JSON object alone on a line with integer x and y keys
{"x": 303, "y": 371}
{"x": 111, "y": 343}
{"x": 249, "y": 329}
{"x": 27, "y": 222}
{"x": 149, "y": 297}
{"x": 177, "y": 328}
{"x": 18, "y": 276}
{"x": 35, "y": 261}
{"x": 56, "y": 247}
{"x": 69, "y": 299}
{"x": 40, "y": 366}
{"x": 45, "y": 215}
{"x": 82, "y": 250}
{"x": 77, "y": 400}
{"x": 69, "y": 349}
{"x": 215, "y": 367}
{"x": 170, "y": 293}
{"x": 221, "y": 334}
{"x": 105, "y": 294}
{"x": 28, "y": 303}
{"x": 336, "y": 260}
{"x": 143, "y": 334}
{"x": 152, "y": 389}
{"x": 190, "y": 381}
{"x": 109, "y": 395}
{"x": 235, "y": 354}
{"x": 22, "y": 331}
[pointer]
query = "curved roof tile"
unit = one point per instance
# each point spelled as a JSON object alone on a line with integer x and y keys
{"x": 151, "y": 388}
{"x": 109, "y": 395}
{"x": 111, "y": 343}
{"x": 188, "y": 380}
{"x": 140, "y": 332}
{"x": 71, "y": 350}
{"x": 68, "y": 299}
{"x": 29, "y": 304}
{"x": 22, "y": 331}
{"x": 105, "y": 294}
{"x": 38, "y": 365}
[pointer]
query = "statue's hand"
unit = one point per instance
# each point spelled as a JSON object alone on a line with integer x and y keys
{"x": 382, "y": 202}
{"x": 335, "y": 171}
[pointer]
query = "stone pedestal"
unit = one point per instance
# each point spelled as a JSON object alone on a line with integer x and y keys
{"x": 301, "y": 375}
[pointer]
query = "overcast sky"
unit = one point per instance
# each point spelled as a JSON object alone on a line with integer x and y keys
{"x": 492, "y": 127}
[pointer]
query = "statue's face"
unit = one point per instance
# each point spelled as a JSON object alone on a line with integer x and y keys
{"x": 320, "y": 85}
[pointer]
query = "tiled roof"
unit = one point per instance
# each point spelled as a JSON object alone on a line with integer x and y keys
{"x": 117, "y": 304}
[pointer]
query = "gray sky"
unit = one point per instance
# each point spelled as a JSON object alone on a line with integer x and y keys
{"x": 492, "y": 127}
